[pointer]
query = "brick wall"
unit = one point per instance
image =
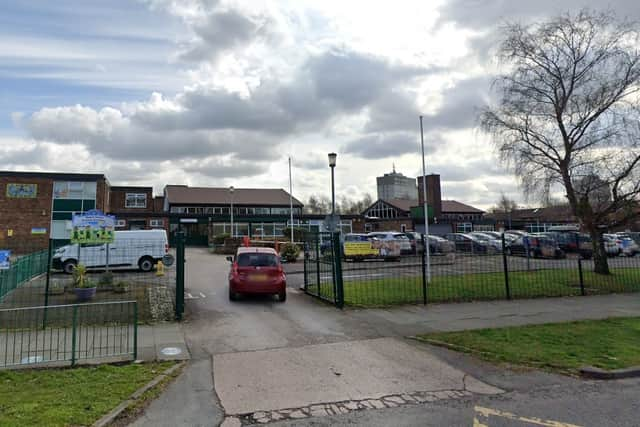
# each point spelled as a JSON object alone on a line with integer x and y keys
{"x": 359, "y": 225}
{"x": 118, "y": 197}
{"x": 22, "y": 215}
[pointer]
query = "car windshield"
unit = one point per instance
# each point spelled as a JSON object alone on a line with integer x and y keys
{"x": 257, "y": 260}
{"x": 356, "y": 238}
{"x": 480, "y": 236}
{"x": 400, "y": 236}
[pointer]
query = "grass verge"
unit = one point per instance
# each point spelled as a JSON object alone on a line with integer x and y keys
{"x": 63, "y": 397}
{"x": 608, "y": 344}
{"x": 486, "y": 286}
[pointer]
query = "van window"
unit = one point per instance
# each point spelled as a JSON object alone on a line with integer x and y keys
{"x": 257, "y": 260}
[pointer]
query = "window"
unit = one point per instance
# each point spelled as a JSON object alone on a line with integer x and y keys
{"x": 74, "y": 190}
{"x": 135, "y": 200}
{"x": 156, "y": 223}
{"x": 464, "y": 227}
{"x": 121, "y": 223}
{"x": 403, "y": 228}
{"x": 177, "y": 209}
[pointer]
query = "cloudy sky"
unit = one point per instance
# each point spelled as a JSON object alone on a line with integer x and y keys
{"x": 218, "y": 93}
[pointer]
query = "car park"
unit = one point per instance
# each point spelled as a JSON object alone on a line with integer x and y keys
{"x": 572, "y": 242}
{"x": 256, "y": 271}
{"x": 488, "y": 239}
{"x": 415, "y": 239}
{"x": 467, "y": 243}
{"x": 130, "y": 249}
{"x": 440, "y": 245}
{"x": 358, "y": 247}
{"x": 620, "y": 245}
{"x": 391, "y": 236}
{"x": 535, "y": 246}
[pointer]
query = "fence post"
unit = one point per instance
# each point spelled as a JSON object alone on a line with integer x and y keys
{"x": 582, "y": 292}
{"x": 74, "y": 326}
{"x": 337, "y": 261}
{"x": 46, "y": 287}
{"x": 180, "y": 240}
{"x": 424, "y": 270}
{"x": 506, "y": 268}
{"x": 135, "y": 330}
{"x": 318, "y": 255}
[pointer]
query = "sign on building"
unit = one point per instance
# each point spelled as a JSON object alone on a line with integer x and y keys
{"x": 5, "y": 259}
{"x": 92, "y": 227}
{"x": 22, "y": 191}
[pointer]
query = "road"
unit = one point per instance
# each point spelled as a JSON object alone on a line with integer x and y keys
{"x": 306, "y": 363}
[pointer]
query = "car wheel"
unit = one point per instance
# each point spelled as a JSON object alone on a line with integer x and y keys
{"x": 146, "y": 264}
{"x": 232, "y": 295}
{"x": 282, "y": 296}
{"x": 69, "y": 266}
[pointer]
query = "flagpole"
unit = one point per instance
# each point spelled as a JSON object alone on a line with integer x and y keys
{"x": 291, "y": 198}
{"x": 425, "y": 207}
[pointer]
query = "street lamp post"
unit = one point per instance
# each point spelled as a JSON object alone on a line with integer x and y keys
{"x": 332, "y": 165}
{"x": 231, "y": 190}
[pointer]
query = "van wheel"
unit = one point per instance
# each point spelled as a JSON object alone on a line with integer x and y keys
{"x": 69, "y": 266}
{"x": 146, "y": 264}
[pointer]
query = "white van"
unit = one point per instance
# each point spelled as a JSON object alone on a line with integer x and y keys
{"x": 139, "y": 248}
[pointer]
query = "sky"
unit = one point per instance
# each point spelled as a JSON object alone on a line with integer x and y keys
{"x": 219, "y": 93}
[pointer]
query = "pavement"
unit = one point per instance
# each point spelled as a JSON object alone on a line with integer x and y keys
{"x": 304, "y": 362}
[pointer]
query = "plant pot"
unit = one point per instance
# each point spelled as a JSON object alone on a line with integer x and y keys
{"x": 84, "y": 294}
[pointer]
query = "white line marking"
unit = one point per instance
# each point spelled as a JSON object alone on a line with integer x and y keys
{"x": 189, "y": 295}
{"x": 202, "y": 295}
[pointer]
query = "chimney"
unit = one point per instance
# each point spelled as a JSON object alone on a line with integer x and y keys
{"x": 434, "y": 197}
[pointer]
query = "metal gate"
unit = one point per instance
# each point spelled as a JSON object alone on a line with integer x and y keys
{"x": 323, "y": 267}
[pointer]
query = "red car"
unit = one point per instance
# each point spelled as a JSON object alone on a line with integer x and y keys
{"x": 257, "y": 271}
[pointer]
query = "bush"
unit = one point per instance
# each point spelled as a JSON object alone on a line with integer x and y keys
{"x": 289, "y": 252}
{"x": 220, "y": 238}
{"x": 106, "y": 279}
{"x": 298, "y": 233}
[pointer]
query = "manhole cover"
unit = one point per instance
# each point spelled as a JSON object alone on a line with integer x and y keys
{"x": 31, "y": 359}
{"x": 171, "y": 351}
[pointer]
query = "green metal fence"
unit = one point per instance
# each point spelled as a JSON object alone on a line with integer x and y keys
{"x": 22, "y": 270}
{"x": 323, "y": 267}
{"x": 68, "y": 334}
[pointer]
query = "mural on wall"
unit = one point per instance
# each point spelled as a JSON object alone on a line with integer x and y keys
{"x": 22, "y": 191}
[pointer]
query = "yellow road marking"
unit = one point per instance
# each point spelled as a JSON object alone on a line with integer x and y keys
{"x": 481, "y": 412}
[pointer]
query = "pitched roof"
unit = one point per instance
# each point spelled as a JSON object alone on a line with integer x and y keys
{"x": 401, "y": 204}
{"x": 182, "y": 194}
{"x": 551, "y": 213}
{"x": 453, "y": 206}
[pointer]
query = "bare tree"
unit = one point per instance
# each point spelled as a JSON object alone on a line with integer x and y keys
{"x": 505, "y": 206}
{"x": 567, "y": 115}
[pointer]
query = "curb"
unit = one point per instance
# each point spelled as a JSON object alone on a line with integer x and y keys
{"x": 115, "y": 413}
{"x": 616, "y": 374}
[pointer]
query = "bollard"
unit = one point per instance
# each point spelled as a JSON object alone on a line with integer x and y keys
{"x": 159, "y": 268}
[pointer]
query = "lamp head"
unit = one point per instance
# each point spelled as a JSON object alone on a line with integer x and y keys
{"x": 332, "y": 159}
{"x": 231, "y": 189}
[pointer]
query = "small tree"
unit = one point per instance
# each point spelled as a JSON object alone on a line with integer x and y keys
{"x": 505, "y": 206}
{"x": 568, "y": 115}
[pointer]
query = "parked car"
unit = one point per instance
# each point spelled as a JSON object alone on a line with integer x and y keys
{"x": 621, "y": 245}
{"x": 468, "y": 243}
{"x": 138, "y": 248}
{"x": 572, "y": 242}
{"x": 257, "y": 271}
{"x": 535, "y": 246}
{"x": 635, "y": 236}
{"x": 358, "y": 247}
{"x": 488, "y": 239}
{"x": 415, "y": 239}
{"x": 386, "y": 236}
{"x": 440, "y": 245}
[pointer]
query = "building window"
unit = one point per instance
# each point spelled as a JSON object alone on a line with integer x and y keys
{"x": 121, "y": 223}
{"x": 135, "y": 200}
{"x": 159, "y": 223}
{"x": 464, "y": 227}
{"x": 403, "y": 228}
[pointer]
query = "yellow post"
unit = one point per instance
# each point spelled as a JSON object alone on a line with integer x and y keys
{"x": 159, "y": 269}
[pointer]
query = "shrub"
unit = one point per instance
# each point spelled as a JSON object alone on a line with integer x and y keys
{"x": 289, "y": 252}
{"x": 298, "y": 233}
{"x": 106, "y": 279}
{"x": 80, "y": 279}
{"x": 220, "y": 238}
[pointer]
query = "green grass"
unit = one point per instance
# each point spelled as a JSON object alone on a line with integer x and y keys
{"x": 607, "y": 344}
{"x": 487, "y": 286}
{"x": 63, "y": 397}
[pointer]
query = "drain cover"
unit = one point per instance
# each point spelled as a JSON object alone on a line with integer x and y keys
{"x": 171, "y": 351}
{"x": 31, "y": 359}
